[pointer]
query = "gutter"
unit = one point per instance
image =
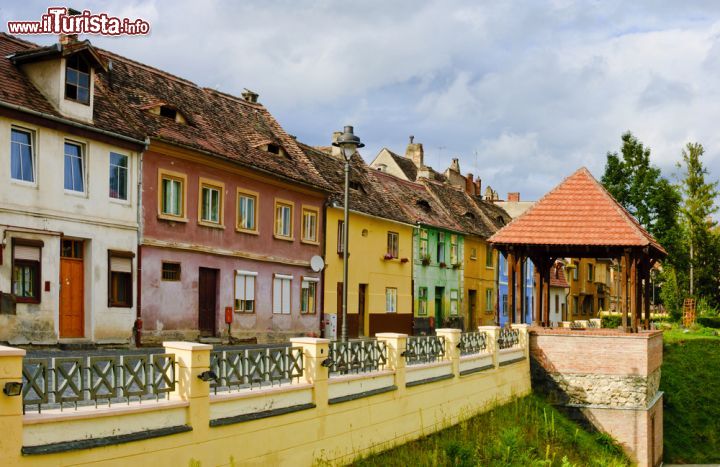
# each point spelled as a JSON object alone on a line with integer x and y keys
{"x": 72, "y": 123}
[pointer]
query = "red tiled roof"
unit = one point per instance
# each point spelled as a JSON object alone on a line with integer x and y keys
{"x": 578, "y": 212}
{"x": 557, "y": 276}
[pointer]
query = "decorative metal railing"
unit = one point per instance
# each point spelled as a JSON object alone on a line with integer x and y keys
{"x": 56, "y": 382}
{"x": 424, "y": 349}
{"x": 246, "y": 368}
{"x": 472, "y": 343}
{"x": 356, "y": 356}
{"x": 508, "y": 338}
{"x": 592, "y": 324}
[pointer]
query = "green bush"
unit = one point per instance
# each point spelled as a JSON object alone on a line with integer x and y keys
{"x": 611, "y": 321}
{"x": 709, "y": 321}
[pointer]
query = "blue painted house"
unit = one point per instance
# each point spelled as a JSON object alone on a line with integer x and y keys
{"x": 503, "y": 301}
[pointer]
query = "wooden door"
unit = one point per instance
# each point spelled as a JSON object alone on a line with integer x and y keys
{"x": 472, "y": 303}
{"x": 72, "y": 289}
{"x": 207, "y": 301}
{"x": 362, "y": 292}
{"x": 439, "y": 295}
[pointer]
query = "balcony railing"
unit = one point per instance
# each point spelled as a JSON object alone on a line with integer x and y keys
{"x": 508, "y": 338}
{"x": 472, "y": 343}
{"x": 356, "y": 356}
{"x": 57, "y": 382}
{"x": 424, "y": 349}
{"x": 246, "y": 368}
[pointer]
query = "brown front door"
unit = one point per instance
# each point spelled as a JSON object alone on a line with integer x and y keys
{"x": 207, "y": 301}
{"x": 362, "y": 295}
{"x": 72, "y": 289}
{"x": 472, "y": 302}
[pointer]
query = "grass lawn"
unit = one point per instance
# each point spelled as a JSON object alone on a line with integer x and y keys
{"x": 524, "y": 432}
{"x": 691, "y": 382}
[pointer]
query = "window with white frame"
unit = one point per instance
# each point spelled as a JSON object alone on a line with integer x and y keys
{"x": 247, "y": 211}
{"x": 283, "y": 219}
{"x": 393, "y": 244}
{"x": 118, "y": 176}
{"x": 453, "y": 302}
{"x": 281, "y": 294}
{"x": 489, "y": 256}
{"x": 22, "y": 156}
{"x": 74, "y": 167}
{"x": 308, "y": 295}
{"x": 453, "y": 249}
{"x": 422, "y": 301}
{"x": 391, "y": 299}
{"x": 210, "y": 203}
{"x": 441, "y": 247}
{"x": 26, "y": 269}
{"x": 245, "y": 291}
{"x": 310, "y": 222}
{"x": 489, "y": 300}
{"x": 172, "y": 194}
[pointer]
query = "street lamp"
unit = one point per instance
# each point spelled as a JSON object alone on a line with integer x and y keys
{"x": 348, "y": 144}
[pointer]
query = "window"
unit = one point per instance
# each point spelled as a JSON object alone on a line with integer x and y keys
{"x": 211, "y": 202}
{"x": 489, "y": 256}
{"x": 473, "y": 253}
{"x": 575, "y": 272}
{"x": 453, "y": 302}
{"x": 118, "y": 176}
{"x": 422, "y": 301}
{"x": 77, "y": 79}
{"x": 391, "y": 299}
{"x": 170, "y": 271}
{"x": 247, "y": 211}
{"x": 283, "y": 219}
{"x": 424, "y": 253}
{"x": 590, "y": 272}
{"x": 26, "y": 270}
{"x": 453, "y": 249}
{"x": 71, "y": 249}
{"x": 310, "y": 223}
{"x": 576, "y": 306}
{"x": 74, "y": 168}
{"x": 22, "y": 162}
{"x": 308, "y": 295}
{"x": 172, "y": 194}
{"x": 504, "y": 304}
{"x": 340, "y": 231}
{"x": 281, "y": 294}
{"x": 441, "y": 247}
{"x": 557, "y": 304}
{"x": 245, "y": 291}
{"x": 393, "y": 241}
{"x": 489, "y": 295}
{"x": 120, "y": 279}
{"x": 168, "y": 112}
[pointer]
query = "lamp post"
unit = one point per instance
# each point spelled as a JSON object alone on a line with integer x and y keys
{"x": 348, "y": 144}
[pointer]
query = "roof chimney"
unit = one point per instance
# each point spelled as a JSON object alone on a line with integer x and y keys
{"x": 469, "y": 184}
{"x": 250, "y": 96}
{"x": 455, "y": 165}
{"x": 336, "y": 150}
{"x": 66, "y": 39}
{"x": 414, "y": 152}
{"x": 478, "y": 186}
{"x": 514, "y": 197}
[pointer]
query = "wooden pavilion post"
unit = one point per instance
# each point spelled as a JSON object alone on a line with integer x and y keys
{"x": 633, "y": 293}
{"x": 545, "y": 265}
{"x": 624, "y": 263}
{"x": 537, "y": 279}
{"x": 639, "y": 293}
{"x": 647, "y": 291}
{"x": 519, "y": 292}
{"x": 511, "y": 285}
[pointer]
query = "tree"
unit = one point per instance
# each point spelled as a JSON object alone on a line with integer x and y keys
{"x": 697, "y": 209}
{"x": 641, "y": 189}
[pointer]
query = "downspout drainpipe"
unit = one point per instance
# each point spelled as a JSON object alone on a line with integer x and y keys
{"x": 137, "y": 326}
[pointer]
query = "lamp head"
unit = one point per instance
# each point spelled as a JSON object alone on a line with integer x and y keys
{"x": 348, "y": 142}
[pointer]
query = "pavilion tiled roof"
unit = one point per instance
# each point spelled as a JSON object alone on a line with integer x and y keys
{"x": 577, "y": 212}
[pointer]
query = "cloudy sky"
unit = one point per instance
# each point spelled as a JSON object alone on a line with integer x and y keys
{"x": 523, "y": 92}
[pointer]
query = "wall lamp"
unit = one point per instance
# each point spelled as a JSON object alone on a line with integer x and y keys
{"x": 207, "y": 375}
{"x": 327, "y": 362}
{"x": 12, "y": 388}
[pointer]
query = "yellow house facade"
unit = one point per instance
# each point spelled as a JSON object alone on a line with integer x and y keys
{"x": 379, "y": 275}
{"x": 479, "y": 282}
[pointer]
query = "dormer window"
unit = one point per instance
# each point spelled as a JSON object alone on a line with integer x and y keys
{"x": 77, "y": 79}
{"x": 469, "y": 215}
{"x": 168, "y": 112}
{"x": 273, "y": 148}
{"x": 424, "y": 205}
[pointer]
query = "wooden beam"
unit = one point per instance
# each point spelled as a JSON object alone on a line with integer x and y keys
{"x": 537, "y": 294}
{"x": 647, "y": 291}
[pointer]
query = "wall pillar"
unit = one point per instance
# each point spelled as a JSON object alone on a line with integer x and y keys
{"x": 315, "y": 351}
{"x": 11, "y": 412}
{"x": 452, "y": 353}
{"x": 524, "y": 342}
{"x": 396, "y": 346}
{"x": 191, "y": 359}
{"x": 493, "y": 332}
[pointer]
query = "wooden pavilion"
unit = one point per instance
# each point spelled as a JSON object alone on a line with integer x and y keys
{"x": 579, "y": 219}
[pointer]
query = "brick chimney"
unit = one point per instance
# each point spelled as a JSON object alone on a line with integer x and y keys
{"x": 514, "y": 197}
{"x": 415, "y": 152}
{"x": 66, "y": 39}
{"x": 469, "y": 184}
{"x": 250, "y": 96}
{"x": 478, "y": 185}
{"x": 336, "y": 151}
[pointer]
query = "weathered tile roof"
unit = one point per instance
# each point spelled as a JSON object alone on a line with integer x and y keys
{"x": 557, "y": 276}
{"x": 16, "y": 89}
{"x": 474, "y": 215}
{"x": 366, "y": 193}
{"x": 219, "y": 124}
{"x": 406, "y": 165}
{"x": 579, "y": 211}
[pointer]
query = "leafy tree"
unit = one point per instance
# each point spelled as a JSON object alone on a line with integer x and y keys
{"x": 697, "y": 209}
{"x": 641, "y": 189}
